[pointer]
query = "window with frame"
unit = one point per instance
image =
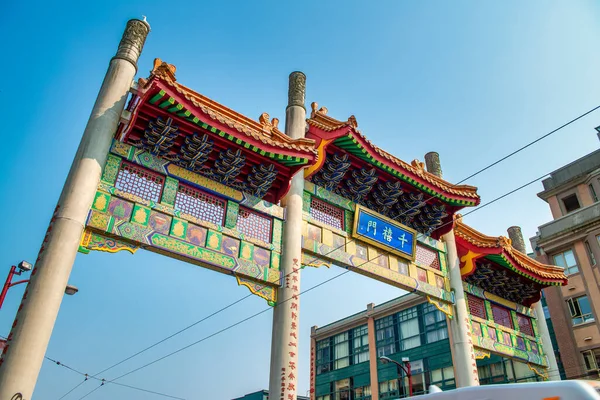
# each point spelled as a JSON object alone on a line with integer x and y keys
{"x": 593, "y": 193}
{"x": 590, "y": 253}
{"x": 388, "y": 389}
{"x": 525, "y": 325}
{"x": 571, "y": 203}
{"x": 323, "y": 357}
{"x": 434, "y": 322}
{"x": 408, "y": 324}
{"x": 491, "y": 373}
{"x": 581, "y": 310}
{"x": 140, "y": 181}
{"x": 200, "y": 205}
{"x": 362, "y": 393}
{"x": 476, "y": 306}
{"x": 567, "y": 261}
{"x": 443, "y": 378}
{"x": 254, "y": 225}
{"x": 327, "y": 213}
{"x": 341, "y": 351}
{"x": 342, "y": 389}
{"x": 591, "y": 359}
{"x": 502, "y": 316}
{"x": 360, "y": 344}
{"x": 385, "y": 336}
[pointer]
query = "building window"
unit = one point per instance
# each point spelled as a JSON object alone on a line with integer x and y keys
{"x": 502, "y": 316}
{"x": 323, "y": 359}
{"x": 580, "y": 310}
{"x": 388, "y": 389}
{"x": 593, "y": 193}
{"x": 571, "y": 203}
{"x": 408, "y": 323}
{"x": 591, "y": 256}
{"x": 591, "y": 359}
{"x": 525, "y": 325}
{"x": 360, "y": 344}
{"x": 140, "y": 182}
{"x": 362, "y": 393}
{"x": 435, "y": 324}
{"x": 341, "y": 353}
{"x": 200, "y": 205}
{"x": 443, "y": 378}
{"x": 342, "y": 389}
{"x": 476, "y": 306}
{"x": 566, "y": 260}
{"x": 254, "y": 225}
{"x": 386, "y": 338}
{"x": 491, "y": 373}
{"x": 327, "y": 213}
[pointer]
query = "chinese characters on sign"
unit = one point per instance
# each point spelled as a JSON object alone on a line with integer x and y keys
{"x": 382, "y": 231}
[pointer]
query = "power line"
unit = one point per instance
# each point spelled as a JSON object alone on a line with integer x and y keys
{"x": 301, "y": 293}
{"x": 352, "y": 239}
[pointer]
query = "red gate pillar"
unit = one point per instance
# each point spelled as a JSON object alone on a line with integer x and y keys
{"x": 286, "y": 314}
{"x": 461, "y": 344}
{"x": 24, "y": 352}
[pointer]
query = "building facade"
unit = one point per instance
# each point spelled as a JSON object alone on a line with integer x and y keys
{"x": 571, "y": 241}
{"x": 262, "y": 395}
{"x": 345, "y": 354}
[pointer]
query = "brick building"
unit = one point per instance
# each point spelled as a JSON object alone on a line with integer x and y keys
{"x": 572, "y": 241}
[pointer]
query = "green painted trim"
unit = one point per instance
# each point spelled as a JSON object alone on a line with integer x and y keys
{"x": 157, "y": 96}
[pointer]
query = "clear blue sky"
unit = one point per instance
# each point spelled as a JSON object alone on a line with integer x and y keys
{"x": 471, "y": 80}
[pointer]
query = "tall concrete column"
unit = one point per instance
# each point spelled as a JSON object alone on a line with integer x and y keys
{"x": 516, "y": 237}
{"x": 286, "y": 314}
{"x": 463, "y": 355}
{"x": 22, "y": 358}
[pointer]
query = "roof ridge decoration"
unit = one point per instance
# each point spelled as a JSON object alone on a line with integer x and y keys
{"x": 334, "y": 129}
{"x": 480, "y": 245}
{"x": 263, "y": 130}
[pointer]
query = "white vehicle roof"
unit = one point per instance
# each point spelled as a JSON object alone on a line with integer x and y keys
{"x": 562, "y": 390}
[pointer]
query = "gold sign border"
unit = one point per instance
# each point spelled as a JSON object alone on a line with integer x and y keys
{"x": 377, "y": 244}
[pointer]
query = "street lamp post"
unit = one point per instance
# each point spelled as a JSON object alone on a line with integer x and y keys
{"x": 400, "y": 368}
{"x": 24, "y": 266}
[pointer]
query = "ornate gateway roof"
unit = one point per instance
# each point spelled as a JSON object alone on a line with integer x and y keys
{"x": 172, "y": 121}
{"x": 350, "y": 165}
{"x": 494, "y": 265}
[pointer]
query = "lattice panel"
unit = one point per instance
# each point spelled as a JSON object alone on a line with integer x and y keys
{"x": 199, "y": 204}
{"x": 501, "y": 316}
{"x": 427, "y": 257}
{"x": 254, "y": 225}
{"x": 525, "y": 324}
{"x": 327, "y": 213}
{"x": 476, "y": 306}
{"x": 140, "y": 181}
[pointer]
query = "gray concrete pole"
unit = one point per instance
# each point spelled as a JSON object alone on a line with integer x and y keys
{"x": 23, "y": 356}
{"x": 461, "y": 343}
{"x": 516, "y": 237}
{"x": 283, "y": 383}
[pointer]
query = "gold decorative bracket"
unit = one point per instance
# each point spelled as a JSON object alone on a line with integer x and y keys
{"x": 443, "y": 307}
{"x": 539, "y": 373}
{"x": 269, "y": 293}
{"x": 481, "y": 354}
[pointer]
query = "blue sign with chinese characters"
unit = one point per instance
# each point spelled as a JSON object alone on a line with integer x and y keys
{"x": 380, "y": 230}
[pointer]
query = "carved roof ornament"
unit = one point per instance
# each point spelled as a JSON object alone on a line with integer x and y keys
{"x": 164, "y": 70}
{"x": 504, "y": 242}
{"x": 419, "y": 165}
{"x": 268, "y": 126}
{"x": 353, "y": 122}
{"x": 316, "y": 110}
{"x": 458, "y": 217}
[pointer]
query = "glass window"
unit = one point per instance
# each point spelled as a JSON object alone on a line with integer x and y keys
{"x": 523, "y": 373}
{"x": 580, "y": 309}
{"x": 342, "y": 389}
{"x": 491, "y": 373}
{"x": 502, "y": 316}
{"x": 362, "y": 393}
{"x": 385, "y": 336}
{"x": 408, "y": 322}
{"x": 323, "y": 359}
{"x": 567, "y": 261}
{"x": 593, "y": 193}
{"x": 388, "y": 389}
{"x": 435, "y": 324}
{"x": 591, "y": 256}
{"x": 591, "y": 359}
{"x": 360, "y": 344}
{"x": 476, "y": 306}
{"x": 571, "y": 203}
{"x": 341, "y": 353}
